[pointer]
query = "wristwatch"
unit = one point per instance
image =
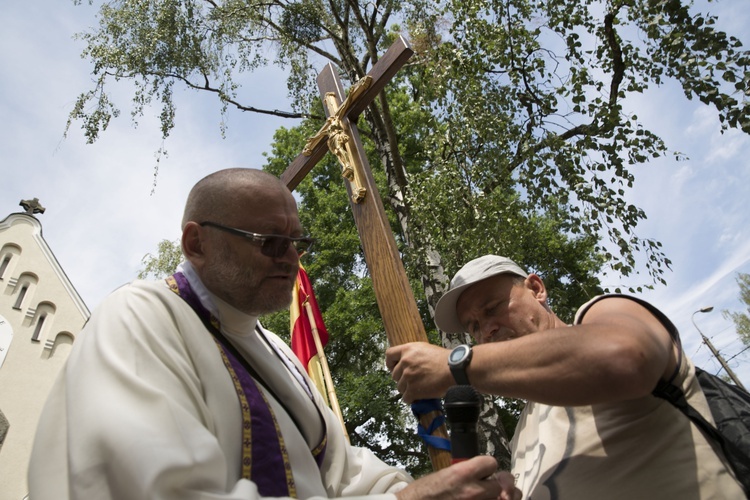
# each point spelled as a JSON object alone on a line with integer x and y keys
{"x": 458, "y": 361}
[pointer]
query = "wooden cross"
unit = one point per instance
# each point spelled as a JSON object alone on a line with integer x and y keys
{"x": 396, "y": 302}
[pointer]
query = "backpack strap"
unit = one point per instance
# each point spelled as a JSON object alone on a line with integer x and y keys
{"x": 734, "y": 454}
{"x": 674, "y": 334}
{"x": 675, "y": 396}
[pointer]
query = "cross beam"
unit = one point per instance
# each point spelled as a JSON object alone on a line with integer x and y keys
{"x": 381, "y": 74}
{"x": 396, "y": 302}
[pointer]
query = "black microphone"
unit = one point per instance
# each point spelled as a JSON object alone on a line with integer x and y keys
{"x": 462, "y": 405}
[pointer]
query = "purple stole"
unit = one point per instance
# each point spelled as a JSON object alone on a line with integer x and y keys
{"x": 265, "y": 460}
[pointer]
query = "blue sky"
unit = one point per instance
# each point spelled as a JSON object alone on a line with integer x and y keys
{"x": 102, "y": 216}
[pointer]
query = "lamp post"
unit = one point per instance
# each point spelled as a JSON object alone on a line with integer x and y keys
{"x": 729, "y": 371}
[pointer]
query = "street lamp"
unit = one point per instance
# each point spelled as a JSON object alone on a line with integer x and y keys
{"x": 729, "y": 371}
{"x": 706, "y": 309}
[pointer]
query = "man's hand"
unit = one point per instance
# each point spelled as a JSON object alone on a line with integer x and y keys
{"x": 477, "y": 478}
{"x": 420, "y": 370}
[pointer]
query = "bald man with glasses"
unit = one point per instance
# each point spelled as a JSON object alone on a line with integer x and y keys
{"x": 174, "y": 390}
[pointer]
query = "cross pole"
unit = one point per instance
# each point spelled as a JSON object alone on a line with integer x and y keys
{"x": 395, "y": 298}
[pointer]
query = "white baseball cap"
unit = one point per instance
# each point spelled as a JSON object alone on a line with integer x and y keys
{"x": 473, "y": 272}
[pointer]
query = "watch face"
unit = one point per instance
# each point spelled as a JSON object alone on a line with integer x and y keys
{"x": 458, "y": 354}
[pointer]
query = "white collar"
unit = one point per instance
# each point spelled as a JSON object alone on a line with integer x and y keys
{"x": 230, "y": 318}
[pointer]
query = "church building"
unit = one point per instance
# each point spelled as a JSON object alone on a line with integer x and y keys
{"x": 40, "y": 315}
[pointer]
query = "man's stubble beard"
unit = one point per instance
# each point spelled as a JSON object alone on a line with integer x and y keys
{"x": 241, "y": 287}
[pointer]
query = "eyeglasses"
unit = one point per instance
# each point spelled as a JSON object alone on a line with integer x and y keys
{"x": 271, "y": 245}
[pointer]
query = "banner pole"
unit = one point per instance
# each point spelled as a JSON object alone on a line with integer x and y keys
{"x": 326, "y": 371}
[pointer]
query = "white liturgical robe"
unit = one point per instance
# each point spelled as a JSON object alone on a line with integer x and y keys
{"x": 146, "y": 409}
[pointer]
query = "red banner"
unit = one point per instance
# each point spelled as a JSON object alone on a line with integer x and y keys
{"x": 303, "y": 343}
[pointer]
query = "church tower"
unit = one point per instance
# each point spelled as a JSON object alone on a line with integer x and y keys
{"x": 40, "y": 315}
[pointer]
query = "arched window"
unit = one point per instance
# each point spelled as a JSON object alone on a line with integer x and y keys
{"x": 60, "y": 345}
{"x": 4, "y": 265}
{"x": 21, "y": 295}
{"x": 25, "y": 286}
{"x": 38, "y": 328}
{"x": 42, "y": 319}
{"x": 8, "y": 251}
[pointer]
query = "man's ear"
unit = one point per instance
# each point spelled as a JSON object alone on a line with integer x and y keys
{"x": 193, "y": 244}
{"x": 536, "y": 285}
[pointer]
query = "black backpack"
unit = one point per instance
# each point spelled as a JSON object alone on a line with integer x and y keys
{"x": 730, "y": 407}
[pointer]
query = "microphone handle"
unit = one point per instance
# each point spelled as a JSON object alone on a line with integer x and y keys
{"x": 464, "y": 443}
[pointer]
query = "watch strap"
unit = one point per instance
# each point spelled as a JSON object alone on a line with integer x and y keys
{"x": 459, "y": 374}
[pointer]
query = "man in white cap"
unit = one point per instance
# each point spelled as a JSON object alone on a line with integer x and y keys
{"x": 591, "y": 428}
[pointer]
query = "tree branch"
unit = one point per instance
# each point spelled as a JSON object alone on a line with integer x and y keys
{"x": 225, "y": 98}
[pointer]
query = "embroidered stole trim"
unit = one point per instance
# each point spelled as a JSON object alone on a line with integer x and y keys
{"x": 265, "y": 459}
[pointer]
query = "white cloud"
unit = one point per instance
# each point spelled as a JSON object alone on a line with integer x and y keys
{"x": 703, "y": 122}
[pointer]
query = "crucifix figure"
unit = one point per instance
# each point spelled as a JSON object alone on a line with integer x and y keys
{"x": 395, "y": 298}
{"x": 337, "y": 133}
{"x": 32, "y": 206}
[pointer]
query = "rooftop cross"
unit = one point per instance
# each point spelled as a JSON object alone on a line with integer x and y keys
{"x": 32, "y": 206}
